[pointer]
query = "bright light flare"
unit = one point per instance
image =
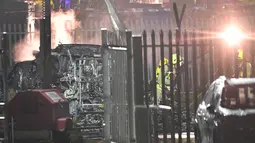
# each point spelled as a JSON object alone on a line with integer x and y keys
{"x": 62, "y": 24}
{"x": 233, "y": 35}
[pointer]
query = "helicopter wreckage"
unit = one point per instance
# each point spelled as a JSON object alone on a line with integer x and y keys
{"x": 77, "y": 74}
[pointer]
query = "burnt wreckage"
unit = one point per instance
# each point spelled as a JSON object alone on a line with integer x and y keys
{"x": 77, "y": 74}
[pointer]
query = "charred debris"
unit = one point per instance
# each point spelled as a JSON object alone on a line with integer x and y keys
{"x": 77, "y": 74}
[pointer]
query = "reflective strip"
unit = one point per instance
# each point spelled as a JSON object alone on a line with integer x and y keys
{"x": 160, "y": 87}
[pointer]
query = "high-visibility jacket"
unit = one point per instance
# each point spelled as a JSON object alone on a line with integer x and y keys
{"x": 167, "y": 74}
{"x": 159, "y": 80}
{"x": 241, "y": 65}
{"x": 248, "y": 70}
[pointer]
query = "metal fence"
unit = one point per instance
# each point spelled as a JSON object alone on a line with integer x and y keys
{"x": 204, "y": 60}
{"x": 185, "y": 90}
{"x": 115, "y": 86}
{"x": 15, "y": 33}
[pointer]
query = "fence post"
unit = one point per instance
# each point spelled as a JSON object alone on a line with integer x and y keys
{"x": 106, "y": 86}
{"x": 154, "y": 88}
{"x": 178, "y": 79}
{"x": 170, "y": 40}
{"x": 5, "y": 60}
{"x": 195, "y": 77}
{"x": 164, "y": 113}
{"x": 252, "y": 55}
{"x": 45, "y": 44}
{"x": 186, "y": 86}
{"x": 140, "y": 113}
{"x": 202, "y": 64}
{"x": 211, "y": 52}
{"x": 41, "y": 48}
{"x": 130, "y": 87}
{"x": 146, "y": 82}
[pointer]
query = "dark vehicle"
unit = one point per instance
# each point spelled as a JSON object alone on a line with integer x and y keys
{"x": 227, "y": 112}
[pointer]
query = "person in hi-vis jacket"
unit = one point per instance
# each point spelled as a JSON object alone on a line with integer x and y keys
{"x": 167, "y": 75}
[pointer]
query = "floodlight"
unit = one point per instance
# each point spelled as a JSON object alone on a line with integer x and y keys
{"x": 233, "y": 35}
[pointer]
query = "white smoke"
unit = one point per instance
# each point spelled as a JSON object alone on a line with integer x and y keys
{"x": 62, "y": 26}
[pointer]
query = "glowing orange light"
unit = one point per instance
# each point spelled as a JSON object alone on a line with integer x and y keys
{"x": 233, "y": 35}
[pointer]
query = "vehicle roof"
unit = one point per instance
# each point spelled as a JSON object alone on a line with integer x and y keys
{"x": 240, "y": 81}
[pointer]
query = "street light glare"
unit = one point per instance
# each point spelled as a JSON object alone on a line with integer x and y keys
{"x": 233, "y": 35}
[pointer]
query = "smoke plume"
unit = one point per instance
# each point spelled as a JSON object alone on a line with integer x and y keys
{"x": 63, "y": 25}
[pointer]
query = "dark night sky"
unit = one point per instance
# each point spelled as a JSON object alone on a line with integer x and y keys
{"x": 17, "y": 12}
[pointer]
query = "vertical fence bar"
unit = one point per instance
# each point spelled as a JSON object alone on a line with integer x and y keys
{"x": 202, "y": 64}
{"x": 244, "y": 63}
{"x": 236, "y": 69}
{"x": 187, "y": 99}
{"x": 1, "y": 46}
{"x": 83, "y": 38}
{"x": 170, "y": 46}
{"x": 194, "y": 65}
{"x": 106, "y": 86}
{"x": 10, "y": 45}
{"x": 154, "y": 89}
{"x": 252, "y": 58}
{"x": 5, "y": 66}
{"x": 116, "y": 89}
{"x": 114, "y": 92}
{"x": 244, "y": 70}
{"x": 211, "y": 52}
{"x": 14, "y": 40}
{"x": 178, "y": 80}
{"x": 219, "y": 59}
{"x": 130, "y": 87}
{"x": 41, "y": 48}
{"x": 228, "y": 60}
{"x": 20, "y": 31}
{"x": 162, "y": 56}
{"x": 124, "y": 98}
{"x": 121, "y": 79}
{"x": 4, "y": 28}
{"x": 140, "y": 115}
{"x": 47, "y": 48}
{"x": 145, "y": 68}
{"x": 146, "y": 81}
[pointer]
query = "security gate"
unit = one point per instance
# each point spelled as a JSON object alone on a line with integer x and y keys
{"x": 115, "y": 86}
{"x": 132, "y": 86}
